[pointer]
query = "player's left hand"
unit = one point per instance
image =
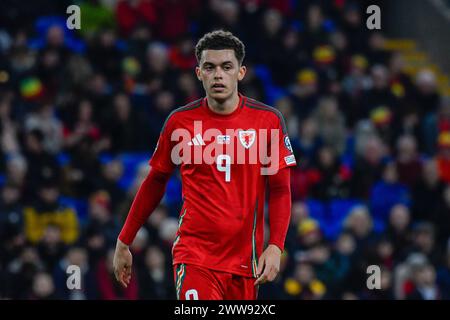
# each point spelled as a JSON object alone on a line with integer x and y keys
{"x": 268, "y": 264}
{"x": 122, "y": 263}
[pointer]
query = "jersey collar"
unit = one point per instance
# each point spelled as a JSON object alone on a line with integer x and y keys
{"x": 224, "y": 116}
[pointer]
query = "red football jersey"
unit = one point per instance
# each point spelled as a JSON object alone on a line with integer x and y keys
{"x": 224, "y": 161}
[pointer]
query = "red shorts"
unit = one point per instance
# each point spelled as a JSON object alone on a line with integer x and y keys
{"x": 198, "y": 283}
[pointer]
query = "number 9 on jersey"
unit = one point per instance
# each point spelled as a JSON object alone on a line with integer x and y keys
{"x": 223, "y": 164}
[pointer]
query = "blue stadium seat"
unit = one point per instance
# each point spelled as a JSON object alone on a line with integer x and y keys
{"x": 339, "y": 208}
{"x": 42, "y": 25}
{"x": 329, "y": 25}
{"x": 173, "y": 197}
{"x": 105, "y": 157}
{"x": 316, "y": 209}
{"x": 63, "y": 158}
{"x": 80, "y": 206}
{"x": 347, "y": 157}
{"x": 272, "y": 92}
{"x": 131, "y": 162}
{"x": 330, "y": 230}
{"x": 379, "y": 226}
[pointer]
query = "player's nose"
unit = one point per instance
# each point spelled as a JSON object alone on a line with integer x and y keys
{"x": 218, "y": 74}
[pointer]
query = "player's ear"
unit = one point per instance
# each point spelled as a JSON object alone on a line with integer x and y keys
{"x": 242, "y": 72}
{"x": 197, "y": 72}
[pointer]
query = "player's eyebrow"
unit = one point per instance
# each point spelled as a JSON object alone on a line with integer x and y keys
{"x": 209, "y": 63}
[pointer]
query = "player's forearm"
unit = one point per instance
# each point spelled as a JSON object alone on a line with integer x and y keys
{"x": 147, "y": 198}
{"x": 279, "y": 207}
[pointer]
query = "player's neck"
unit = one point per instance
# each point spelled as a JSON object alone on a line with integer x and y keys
{"x": 224, "y": 107}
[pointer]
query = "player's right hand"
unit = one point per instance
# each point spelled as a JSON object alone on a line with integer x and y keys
{"x": 122, "y": 263}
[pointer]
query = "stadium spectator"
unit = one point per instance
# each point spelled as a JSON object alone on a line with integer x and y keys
{"x": 155, "y": 278}
{"x": 360, "y": 224}
{"x": 124, "y": 126}
{"x": 299, "y": 213}
{"x": 388, "y": 192}
{"x": 101, "y": 219}
{"x": 43, "y": 287}
{"x": 46, "y": 212}
{"x": 443, "y": 276}
{"x": 11, "y": 212}
{"x": 108, "y": 287}
{"x": 111, "y": 173}
{"x": 386, "y": 291}
{"x": 51, "y": 248}
{"x": 84, "y": 127}
{"x": 424, "y": 242}
{"x": 333, "y": 178}
{"x": 344, "y": 256}
{"x": 434, "y": 125}
{"x": 130, "y": 14}
{"x": 427, "y": 193}
{"x": 399, "y": 228}
{"x": 20, "y": 272}
{"x": 330, "y": 122}
{"x": 41, "y": 165}
{"x": 328, "y": 266}
{"x": 45, "y": 121}
{"x": 304, "y": 92}
{"x": 304, "y": 285}
{"x": 368, "y": 163}
{"x": 426, "y": 95}
{"x": 425, "y": 286}
{"x": 442, "y": 218}
{"x": 81, "y": 172}
{"x": 409, "y": 165}
{"x": 309, "y": 234}
{"x": 104, "y": 53}
{"x": 76, "y": 256}
{"x": 9, "y": 130}
{"x": 187, "y": 88}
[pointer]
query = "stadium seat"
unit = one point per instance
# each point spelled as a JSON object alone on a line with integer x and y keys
{"x": 42, "y": 25}
{"x": 80, "y": 206}
{"x": 272, "y": 92}
{"x": 131, "y": 162}
{"x": 339, "y": 209}
{"x": 316, "y": 209}
{"x": 63, "y": 158}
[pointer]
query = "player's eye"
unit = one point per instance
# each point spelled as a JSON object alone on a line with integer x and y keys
{"x": 227, "y": 67}
{"x": 208, "y": 67}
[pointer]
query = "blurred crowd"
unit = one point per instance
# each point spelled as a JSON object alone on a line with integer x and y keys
{"x": 81, "y": 111}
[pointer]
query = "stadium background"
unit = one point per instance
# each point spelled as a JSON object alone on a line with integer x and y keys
{"x": 80, "y": 113}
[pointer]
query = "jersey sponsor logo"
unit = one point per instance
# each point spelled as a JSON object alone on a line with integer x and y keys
{"x": 287, "y": 144}
{"x": 289, "y": 159}
{"x": 247, "y": 138}
{"x": 223, "y": 139}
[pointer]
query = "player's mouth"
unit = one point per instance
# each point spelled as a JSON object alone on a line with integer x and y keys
{"x": 218, "y": 87}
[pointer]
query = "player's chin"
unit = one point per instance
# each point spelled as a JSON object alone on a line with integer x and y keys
{"x": 219, "y": 95}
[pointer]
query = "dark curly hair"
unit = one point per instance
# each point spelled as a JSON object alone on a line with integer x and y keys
{"x": 219, "y": 40}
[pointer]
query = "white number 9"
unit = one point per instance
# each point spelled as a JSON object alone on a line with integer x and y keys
{"x": 223, "y": 164}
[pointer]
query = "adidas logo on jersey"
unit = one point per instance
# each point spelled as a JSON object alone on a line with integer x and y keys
{"x": 197, "y": 141}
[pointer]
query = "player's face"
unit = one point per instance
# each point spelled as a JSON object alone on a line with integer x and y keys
{"x": 219, "y": 71}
